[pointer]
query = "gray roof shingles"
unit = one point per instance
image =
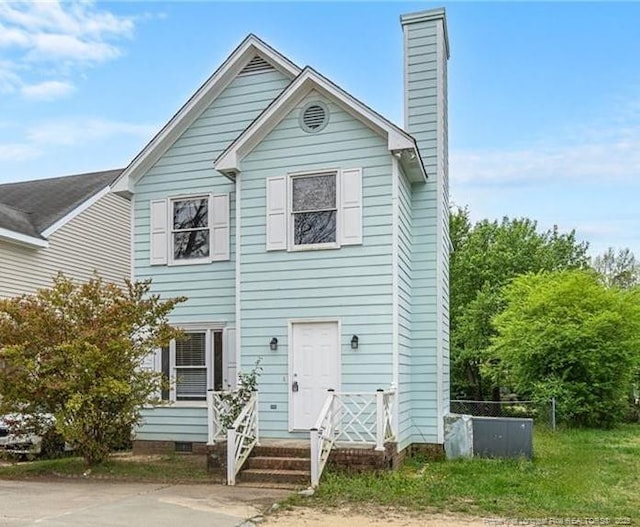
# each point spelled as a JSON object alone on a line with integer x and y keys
{"x": 30, "y": 207}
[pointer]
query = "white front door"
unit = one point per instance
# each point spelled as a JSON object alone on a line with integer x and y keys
{"x": 315, "y": 357}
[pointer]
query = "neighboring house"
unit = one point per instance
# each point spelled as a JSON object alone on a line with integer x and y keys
{"x": 307, "y": 231}
{"x": 69, "y": 224}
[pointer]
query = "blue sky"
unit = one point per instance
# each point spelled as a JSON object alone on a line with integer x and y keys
{"x": 544, "y": 97}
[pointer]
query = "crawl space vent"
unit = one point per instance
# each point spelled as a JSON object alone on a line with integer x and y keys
{"x": 314, "y": 117}
{"x": 183, "y": 446}
{"x": 256, "y": 65}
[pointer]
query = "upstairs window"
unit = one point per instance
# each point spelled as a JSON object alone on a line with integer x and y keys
{"x": 314, "y": 209}
{"x": 190, "y": 228}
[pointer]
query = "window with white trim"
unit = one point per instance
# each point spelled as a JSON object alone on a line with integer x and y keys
{"x": 193, "y": 365}
{"x": 189, "y": 229}
{"x": 314, "y": 210}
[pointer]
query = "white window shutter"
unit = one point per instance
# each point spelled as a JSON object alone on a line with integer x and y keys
{"x": 229, "y": 360}
{"x": 277, "y": 213}
{"x": 220, "y": 227}
{"x": 159, "y": 242}
{"x": 351, "y": 206}
{"x": 150, "y": 362}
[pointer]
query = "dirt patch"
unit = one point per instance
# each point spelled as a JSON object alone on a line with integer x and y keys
{"x": 304, "y": 517}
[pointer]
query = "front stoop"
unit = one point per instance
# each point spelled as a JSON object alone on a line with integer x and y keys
{"x": 281, "y": 465}
{"x": 287, "y": 464}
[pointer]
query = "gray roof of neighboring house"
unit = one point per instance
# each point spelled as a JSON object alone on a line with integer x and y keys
{"x": 30, "y": 207}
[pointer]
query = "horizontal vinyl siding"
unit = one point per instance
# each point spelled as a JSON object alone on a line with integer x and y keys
{"x": 187, "y": 169}
{"x": 422, "y": 123}
{"x": 97, "y": 240}
{"x": 443, "y": 195}
{"x": 405, "y": 241}
{"x": 173, "y": 423}
{"x": 352, "y": 284}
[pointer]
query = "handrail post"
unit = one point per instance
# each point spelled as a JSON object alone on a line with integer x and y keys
{"x": 315, "y": 458}
{"x": 210, "y": 423}
{"x": 380, "y": 419}
{"x": 332, "y": 393}
{"x": 257, "y": 421}
{"x": 231, "y": 456}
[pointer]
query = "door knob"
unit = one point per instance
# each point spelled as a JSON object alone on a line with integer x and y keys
{"x": 294, "y": 386}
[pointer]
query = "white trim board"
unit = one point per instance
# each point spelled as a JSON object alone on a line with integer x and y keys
{"x": 238, "y": 279}
{"x": 22, "y": 239}
{"x": 76, "y": 211}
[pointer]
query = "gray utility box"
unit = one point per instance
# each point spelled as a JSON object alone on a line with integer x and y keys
{"x": 502, "y": 437}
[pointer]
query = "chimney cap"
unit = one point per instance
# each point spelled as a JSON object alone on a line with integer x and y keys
{"x": 428, "y": 15}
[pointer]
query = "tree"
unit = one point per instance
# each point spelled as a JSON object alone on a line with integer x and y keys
{"x": 76, "y": 351}
{"x": 487, "y": 256}
{"x": 617, "y": 270}
{"x": 564, "y": 334}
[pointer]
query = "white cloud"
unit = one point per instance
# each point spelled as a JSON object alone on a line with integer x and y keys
{"x": 44, "y": 37}
{"x": 70, "y": 49}
{"x": 606, "y": 149}
{"x": 18, "y": 152}
{"x": 74, "y": 31}
{"x": 84, "y": 130}
{"x": 9, "y": 80}
{"x": 47, "y": 90}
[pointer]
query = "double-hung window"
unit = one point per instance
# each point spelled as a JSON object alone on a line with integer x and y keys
{"x": 314, "y": 209}
{"x": 190, "y": 228}
{"x": 193, "y": 364}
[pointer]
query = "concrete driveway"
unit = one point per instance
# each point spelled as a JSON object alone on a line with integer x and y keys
{"x": 66, "y": 503}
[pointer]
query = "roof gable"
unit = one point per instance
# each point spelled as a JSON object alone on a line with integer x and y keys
{"x": 242, "y": 57}
{"x": 30, "y": 211}
{"x": 399, "y": 142}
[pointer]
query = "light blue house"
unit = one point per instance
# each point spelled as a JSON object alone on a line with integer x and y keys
{"x": 309, "y": 232}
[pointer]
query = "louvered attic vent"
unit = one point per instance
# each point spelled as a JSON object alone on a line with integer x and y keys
{"x": 314, "y": 117}
{"x": 256, "y": 65}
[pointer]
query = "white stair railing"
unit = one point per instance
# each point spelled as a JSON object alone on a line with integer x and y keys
{"x": 217, "y": 406}
{"x": 363, "y": 418}
{"x": 242, "y": 436}
{"x": 323, "y": 438}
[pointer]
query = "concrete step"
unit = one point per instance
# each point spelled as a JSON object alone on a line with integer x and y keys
{"x": 272, "y": 485}
{"x": 291, "y": 477}
{"x": 279, "y": 463}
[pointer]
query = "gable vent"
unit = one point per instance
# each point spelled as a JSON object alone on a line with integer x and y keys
{"x": 314, "y": 117}
{"x": 256, "y": 65}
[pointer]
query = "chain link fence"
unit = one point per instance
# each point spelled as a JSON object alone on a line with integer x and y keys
{"x": 542, "y": 413}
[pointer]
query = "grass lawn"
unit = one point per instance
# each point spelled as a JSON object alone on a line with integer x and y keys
{"x": 575, "y": 473}
{"x": 170, "y": 469}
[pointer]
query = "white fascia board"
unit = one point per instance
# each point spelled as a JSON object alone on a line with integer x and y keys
{"x": 75, "y": 212}
{"x": 23, "y": 239}
{"x": 202, "y": 98}
{"x": 228, "y": 163}
{"x": 397, "y": 141}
